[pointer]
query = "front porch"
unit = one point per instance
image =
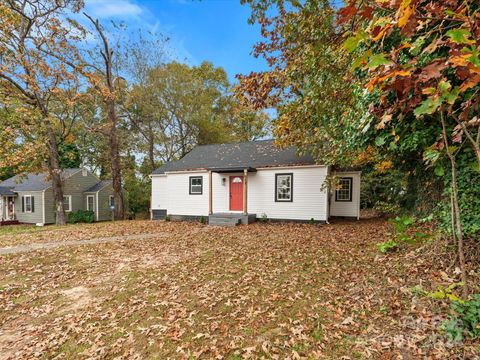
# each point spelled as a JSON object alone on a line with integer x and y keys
{"x": 237, "y": 211}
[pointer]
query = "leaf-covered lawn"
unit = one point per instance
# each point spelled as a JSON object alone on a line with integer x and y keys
{"x": 258, "y": 291}
{"x": 28, "y": 234}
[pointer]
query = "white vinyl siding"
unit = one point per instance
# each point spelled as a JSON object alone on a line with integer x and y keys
{"x": 159, "y": 192}
{"x": 341, "y": 207}
{"x": 179, "y": 200}
{"x": 309, "y": 200}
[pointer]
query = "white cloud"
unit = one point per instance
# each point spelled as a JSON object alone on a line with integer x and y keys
{"x": 113, "y": 8}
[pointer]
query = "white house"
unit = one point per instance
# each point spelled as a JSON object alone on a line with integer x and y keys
{"x": 233, "y": 183}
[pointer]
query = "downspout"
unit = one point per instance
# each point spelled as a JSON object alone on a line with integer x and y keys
{"x": 328, "y": 198}
{"x": 43, "y": 207}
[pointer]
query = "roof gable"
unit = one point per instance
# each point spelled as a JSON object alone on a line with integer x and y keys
{"x": 34, "y": 181}
{"x": 251, "y": 154}
{"x": 6, "y": 191}
{"x": 99, "y": 186}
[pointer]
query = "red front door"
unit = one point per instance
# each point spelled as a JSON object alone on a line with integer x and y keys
{"x": 236, "y": 193}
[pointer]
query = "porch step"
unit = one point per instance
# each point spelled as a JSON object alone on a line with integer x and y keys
{"x": 223, "y": 221}
{"x": 9, "y": 222}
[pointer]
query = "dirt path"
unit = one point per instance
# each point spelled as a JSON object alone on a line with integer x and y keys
{"x": 51, "y": 245}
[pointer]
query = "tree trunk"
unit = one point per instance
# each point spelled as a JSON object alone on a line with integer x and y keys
{"x": 109, "y": 101}
{"x": 456, "y": 217}
{"x": 151, "y": 149}
{"x": 459, "y": 229}
{"x": 115, "y": 164}
{"x": 55, "y": 174}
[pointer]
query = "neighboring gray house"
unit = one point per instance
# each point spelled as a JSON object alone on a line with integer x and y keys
{"x": 28, "y": 198}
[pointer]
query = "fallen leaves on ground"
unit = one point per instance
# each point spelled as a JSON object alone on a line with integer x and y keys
{"x": 280, "y": 291}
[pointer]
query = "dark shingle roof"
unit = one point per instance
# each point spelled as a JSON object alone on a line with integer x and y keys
{"x": 99, "y": 186}
{"x": 32, "y": 181}
{"x": 253, "y": 154}
{"x": 5, "y": 191}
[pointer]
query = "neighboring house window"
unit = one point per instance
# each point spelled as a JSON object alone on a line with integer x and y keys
{"x": 284, "y": 187}
{"x": 111, "y": 201}
{"x": 90, "y": 202}
{"x": 196, "y": 185}
{"x": 344, "y": 189}
{"x": 67, "y": 203}
{"x": 84, "y": 172}
{"x": 28, "y": 204}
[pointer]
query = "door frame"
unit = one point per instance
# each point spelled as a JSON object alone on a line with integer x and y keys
{"x": 230, "y": 192}
{"x": 10, "y": 216}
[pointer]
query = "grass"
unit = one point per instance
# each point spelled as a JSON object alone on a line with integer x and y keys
{"x": 10, "y": 230}
{"x": 255, "y": 291}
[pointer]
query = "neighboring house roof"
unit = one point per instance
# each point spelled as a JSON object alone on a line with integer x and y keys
{"x": 33, "y": 181}
{"x": 250, "y": 154}
{"x": 99, "y": 186}
{"x": 5, "y": 191}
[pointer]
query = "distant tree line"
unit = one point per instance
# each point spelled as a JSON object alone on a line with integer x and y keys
{"x": 75, "y": 93}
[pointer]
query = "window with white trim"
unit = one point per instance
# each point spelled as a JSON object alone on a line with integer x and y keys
{"x": 284, "y": 187}
{"x": 344, "y": 189}
{"x": 111, "y": 201}
{"x": 28, "y": 204}
{"x": 90, "y": 202}
{"x": 67, "y": 203}
{"x": 196, "y": 185}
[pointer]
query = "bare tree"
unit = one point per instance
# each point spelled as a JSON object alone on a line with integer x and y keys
{"x": 32, "y": 39}
{"x": 108, "y": 94}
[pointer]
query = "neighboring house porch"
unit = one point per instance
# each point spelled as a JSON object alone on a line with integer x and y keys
{"x": 7, "y": 206}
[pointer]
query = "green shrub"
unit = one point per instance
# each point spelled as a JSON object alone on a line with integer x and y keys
{"x": 387, "y": 246}
{"x": 264, "y": 218}
{"x": 402, "y": 225}
{"x": 468, "y": 177}
{"x": 384, "y": 208}
{"x": 465, "y": 321}
{"x": 202, "y": 219}
{"x": 312, "y": 221}
{"x": 81, "y": 216}
{"x": 168, "y": 218}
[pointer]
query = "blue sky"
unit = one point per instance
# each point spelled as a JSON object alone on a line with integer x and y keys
{"x": 213, "y": 30}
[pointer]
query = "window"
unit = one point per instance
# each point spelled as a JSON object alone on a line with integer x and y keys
{"x": 28, "y": 203}
{"x": 284, "y": 187}
{"x": 111, "y": 201}
{"x": 196, "y": 185}
{"x": 344, "y": 189}
{"x": 84, "y": 172}
{"x": 90, "y": 202}
{"x": 67, "y": 203}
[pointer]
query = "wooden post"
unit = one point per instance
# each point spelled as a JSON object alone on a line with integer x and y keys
{"x": 210, "y": 212}
{"x": 245, "y": 184}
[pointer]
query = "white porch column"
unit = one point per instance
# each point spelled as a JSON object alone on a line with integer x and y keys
{"x": 1, "y": 208}
{"x": 210, "y": 207}
{"x": 245, "y": 191}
